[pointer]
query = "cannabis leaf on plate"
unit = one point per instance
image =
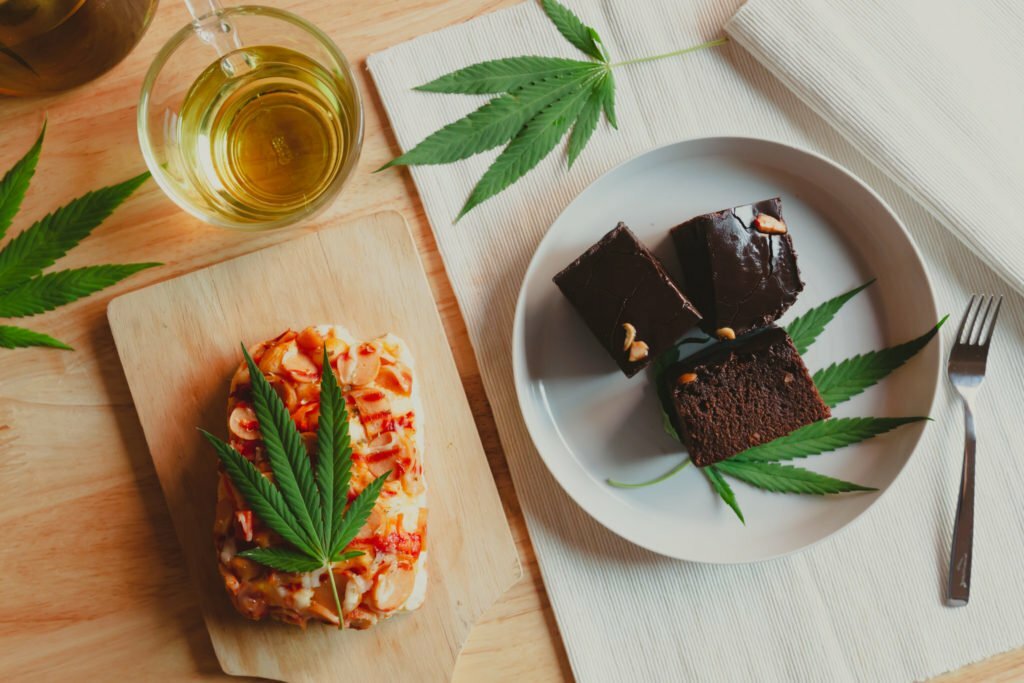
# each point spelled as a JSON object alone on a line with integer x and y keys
{"x": 305, "y": 507}
{"x": 539, "y": 100}
{"x": 760, "y": 466}
{"x": 842, "y": 381}
{"x": 786, "y": 478}
{"x": 25, "y": 290}
{"x": 822, "y": 437}
{"x": 722, "y": 488}
{"x": 804, "y": 329}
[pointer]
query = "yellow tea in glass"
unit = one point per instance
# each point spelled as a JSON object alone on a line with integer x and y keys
{"x": 51, "y": 45}
{"x": 264, "y": 132}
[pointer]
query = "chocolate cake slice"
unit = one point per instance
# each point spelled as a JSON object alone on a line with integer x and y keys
{"x": 627, "y": 299}
{"x": 739, "y": 266}
{"x": 734, "y": 395}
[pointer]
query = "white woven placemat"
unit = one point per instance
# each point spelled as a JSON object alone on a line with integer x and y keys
{"x": 866, "y": 605}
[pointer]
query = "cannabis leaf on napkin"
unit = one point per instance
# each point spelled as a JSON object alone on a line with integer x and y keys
{"x": 24, "y": 289}
{"x": 539, "y": 100}
{"x": 306, "y": 509}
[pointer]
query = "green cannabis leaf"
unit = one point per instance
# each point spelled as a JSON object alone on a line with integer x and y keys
{"x": 539, "y": 100}
{"x": 805, "y": 328}
{"x": 52, "y": 290}
{"x": 786, "y": 478}
{"x": 813, "y": 439}
{"x": 841, "y": 381}
{"x": 581, "y": 36}
{"x": 24, "y": 289}
{"x": 531, "y": 144}
{"x": 722, "y": 488}
{"x": 15, "y": 183}
{"x": 308, "y": 511}
{"x": 19, "y": 338}
{"x": 821, "y": 437}
{"x": 502, "y": 75}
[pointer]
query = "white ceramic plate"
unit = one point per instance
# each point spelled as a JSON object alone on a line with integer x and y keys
{"x": 590, "y": 423}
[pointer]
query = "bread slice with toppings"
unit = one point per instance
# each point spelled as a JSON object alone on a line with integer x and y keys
{"x": 376, "y": 378}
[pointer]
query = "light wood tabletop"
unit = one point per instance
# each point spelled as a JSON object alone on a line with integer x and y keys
{"x": 94, "y": 584}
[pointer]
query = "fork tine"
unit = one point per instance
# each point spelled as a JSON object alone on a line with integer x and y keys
{"x": 963, "y": 320}
{"x": 980, "y": 319}
{"x": 992, "y": 325}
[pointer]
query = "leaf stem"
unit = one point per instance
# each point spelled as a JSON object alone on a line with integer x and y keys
{"x": 657, "y": 480}
{"x": 711, "y": 43}
{"x": 334, "y": 590}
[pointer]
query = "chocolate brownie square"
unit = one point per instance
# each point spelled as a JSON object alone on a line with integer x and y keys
{"x": 739, "y": 266}
{"x": 735, "y": 395}
{"x": 627, "y": 299}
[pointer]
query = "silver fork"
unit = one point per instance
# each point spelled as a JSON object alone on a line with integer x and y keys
{"x": 966, "y": 370}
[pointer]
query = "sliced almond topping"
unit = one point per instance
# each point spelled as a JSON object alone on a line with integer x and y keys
{"x": 271, "y": 361}
{"x": 299, "y": 366}
{"x": 310, "y": 341}
{"x": 286, "y": 391}
{"x": 770, "y": 225}
{"x": 725, "y": 333}
{"x": 360, "y": 365}
{"x": 335, "y": 347}
{"x": 243, "y": 423}
{"x": 393, "y": 588}
{"x": 396, "y": 377}
{"x": 630, "y": 336}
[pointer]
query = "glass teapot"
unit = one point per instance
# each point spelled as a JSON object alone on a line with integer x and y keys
{"x": 51, "y": 45}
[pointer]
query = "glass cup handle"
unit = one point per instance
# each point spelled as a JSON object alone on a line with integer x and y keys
{"x": 214, "y": 30}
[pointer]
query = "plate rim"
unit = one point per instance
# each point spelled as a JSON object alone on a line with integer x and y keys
{"x": 521, "y": 379}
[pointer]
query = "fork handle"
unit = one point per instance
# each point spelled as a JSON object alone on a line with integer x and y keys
{"x": 959, "y": 591}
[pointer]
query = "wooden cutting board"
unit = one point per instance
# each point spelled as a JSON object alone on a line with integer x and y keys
{"x": 179, "y": 343}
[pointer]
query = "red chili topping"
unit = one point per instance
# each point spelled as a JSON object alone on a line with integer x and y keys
{"x": 399, "y": 542}
{"x": 383, "y": 455}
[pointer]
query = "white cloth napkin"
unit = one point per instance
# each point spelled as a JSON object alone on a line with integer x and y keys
{"x": 931, "y": 92}
{"x": 863, "y": 606}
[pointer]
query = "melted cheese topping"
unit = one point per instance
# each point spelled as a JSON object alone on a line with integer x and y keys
{"x": 384, "y": 428}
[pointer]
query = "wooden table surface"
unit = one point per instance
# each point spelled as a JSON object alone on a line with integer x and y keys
{"x": 94, "y": 585}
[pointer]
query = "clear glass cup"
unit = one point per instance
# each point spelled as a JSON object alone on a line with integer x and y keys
{"x": 244, "y": 181}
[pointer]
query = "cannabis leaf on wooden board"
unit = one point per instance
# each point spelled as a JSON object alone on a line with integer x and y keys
{"x": 306, "y": 508}
{"x": 760, "y": 466}
{"x": 540, "y": 99}
{"x": 24, "y": 289}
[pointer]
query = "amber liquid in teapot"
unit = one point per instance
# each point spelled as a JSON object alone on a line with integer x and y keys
{"x": 51, "y": 45}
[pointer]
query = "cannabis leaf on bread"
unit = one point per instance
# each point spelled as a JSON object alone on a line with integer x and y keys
{"x": 761, "y": 466}
{"x": 305, "y": 506}
{"x": 539, "y": 100}
{"x": 25, "y": 290}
